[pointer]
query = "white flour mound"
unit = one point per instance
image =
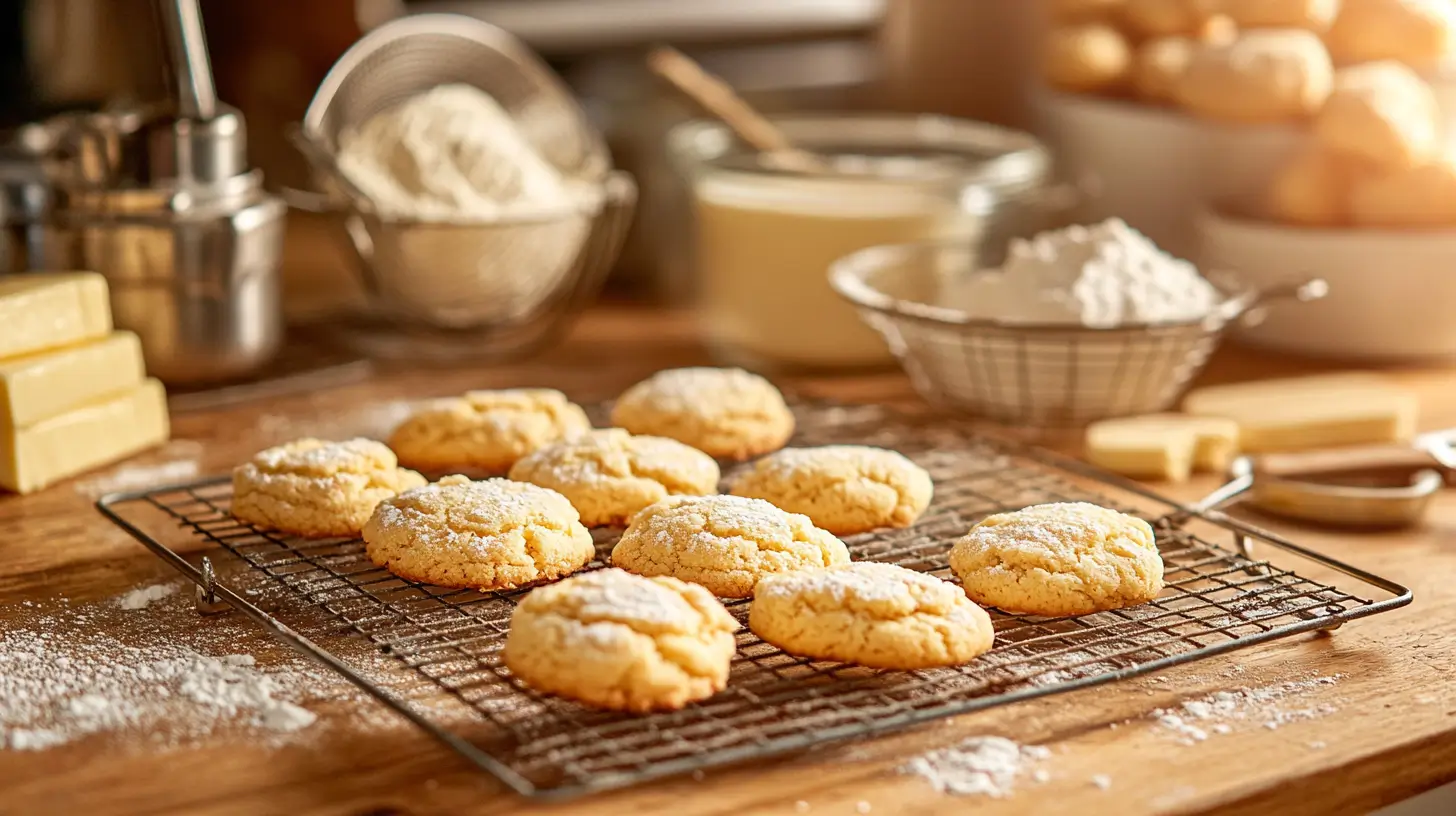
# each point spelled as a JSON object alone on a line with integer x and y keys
{"x": 980, "y": 766}
{"x": 1099, "y": 276}
{"x": 450, "y": 153}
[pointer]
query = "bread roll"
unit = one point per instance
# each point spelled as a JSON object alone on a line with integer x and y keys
{"x": 1082, "y": 11}
{"x": 1418, "y": 33}
{"x": 1423, "y": 195}
{"x": 1264, "y": 76}
{"x": 1087, "y": 58}
{"x": 1382, "y": 113}
{"x": 1312, "y": 190}
{"x": 1166, "y": 18}
{"x": 1315, "y": 15}
{"x": 1160, "y": 65}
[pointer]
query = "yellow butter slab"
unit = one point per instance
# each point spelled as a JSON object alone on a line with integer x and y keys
{"x": 1166, "y": 447}
{"x": 45, "y": 310}
{"x": 84, "y": 438}
{"x": 1304, "y": 413}
{"x": 39, "y": 386}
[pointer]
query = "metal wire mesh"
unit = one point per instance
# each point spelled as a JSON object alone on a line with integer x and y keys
{"x": 1216, "y": 600}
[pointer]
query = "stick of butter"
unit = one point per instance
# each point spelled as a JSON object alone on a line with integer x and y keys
{"x": 39, "y": 386}
{"x": 81, "y": 439}
{"x": 1167, "y": 447}
{"x": 45, "y": 310}
{"x": 1305, "y": 413}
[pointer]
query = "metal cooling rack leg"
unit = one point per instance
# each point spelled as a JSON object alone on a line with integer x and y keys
{"x": 203, "y": 597}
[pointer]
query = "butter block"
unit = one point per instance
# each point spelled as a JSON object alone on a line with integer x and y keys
{"x": 97, "y": 434}
{"x": 1304, "y": 413}
{"x": 39, "y": 386}
{"x": 45, "y": 310}
{"x": 1167, "y": 447}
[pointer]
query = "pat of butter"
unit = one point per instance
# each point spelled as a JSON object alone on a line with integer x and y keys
{"x": 45, "y": 310}
{"x": 39, "y": 386}
{"x": 79, "y": 440}
{"x": 1168, "y": 447}
{"x": 1304, "y": 413}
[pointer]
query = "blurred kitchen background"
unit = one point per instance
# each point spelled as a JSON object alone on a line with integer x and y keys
{"x": 958, "y": 57}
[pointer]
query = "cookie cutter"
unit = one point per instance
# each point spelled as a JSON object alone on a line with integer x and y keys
{"x": 1359, "y": 488}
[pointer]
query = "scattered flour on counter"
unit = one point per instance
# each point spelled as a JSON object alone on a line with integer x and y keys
{"x": 1101, "y": 782}
{"x": 1193, "y": 721}
{"x": 980, "y": 766}
{"x": 143, "y": 597}
{"x": 1100, "y": 276}
{"x": 137, "y": 477}
{"x": 114, "y": 665}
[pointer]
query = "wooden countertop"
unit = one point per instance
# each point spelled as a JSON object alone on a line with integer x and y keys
{"x": 1393, "y": 733}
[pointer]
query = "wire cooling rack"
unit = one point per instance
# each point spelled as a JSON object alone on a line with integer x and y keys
{"x": 447, "y": 643}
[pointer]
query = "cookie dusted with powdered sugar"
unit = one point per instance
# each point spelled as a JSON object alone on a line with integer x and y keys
{"x": 845, "y": 489}
{"x": 318, "y": 489}
{"x": 1059, "y": 559}
{"x": 610, "y": 474}
{"x": 486, "y": 431}
{"x": 725, "y": 543}
{"x": 619, "y": 641}
{"x": 877, "y": 615}
{"x": 487, "y": 535}
{"x": 727, "y": 413}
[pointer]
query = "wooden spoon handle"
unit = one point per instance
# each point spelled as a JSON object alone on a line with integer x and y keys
{"x": 1391, "y": 460}
{"x": 715, "y": 96}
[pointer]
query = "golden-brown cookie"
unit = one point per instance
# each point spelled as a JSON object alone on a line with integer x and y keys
{"x": 1381, "y": 113}
{"x": 1423, "y": 196}
{"x": 619, "y": 641}
{"x": 1059, "y": 559}
{"x": 1419, "y": 33}
{"x": 487, "y": 535}
{"x": 1312, "y": 189}
{"x": 610, "y": 474}
{"x": 318, "y": 489}
{"x": 725, "y": 543}
{"x": 1263, "y": 76}
{"x": 877, "y": 615}
{"x": 845, "y": 489}
{"x": 1086, "y": 58}
{"x": 727, "y": 413}
{"x": 486, "y": 431}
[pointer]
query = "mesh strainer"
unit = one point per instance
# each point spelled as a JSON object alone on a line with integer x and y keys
{"x": 507, "y": 274}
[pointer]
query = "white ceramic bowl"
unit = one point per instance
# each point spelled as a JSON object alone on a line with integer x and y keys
{"x": 1156, "y": 168}
{"x": 1392, "y": 294}
{"x": 1139, "y": 163}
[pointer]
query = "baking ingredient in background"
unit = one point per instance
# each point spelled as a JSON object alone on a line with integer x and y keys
{"x": 452, "y": 153}
{"x": 1099, "y": 276}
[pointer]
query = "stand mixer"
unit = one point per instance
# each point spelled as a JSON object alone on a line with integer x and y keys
{"x": 160, "y": 199}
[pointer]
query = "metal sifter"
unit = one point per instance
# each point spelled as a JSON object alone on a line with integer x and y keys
{"x": 467, "y": 288}
{"x": 160, "y": 199}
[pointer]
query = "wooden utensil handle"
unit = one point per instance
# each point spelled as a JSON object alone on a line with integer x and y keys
{"x": 718, "y": 98}
{"x": 1372, "y": 459}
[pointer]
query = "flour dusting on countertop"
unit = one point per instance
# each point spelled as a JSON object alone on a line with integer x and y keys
{"x": 145, "y": 668}
{"x": 979, "y": 766}
{"x": 1196, "y": 720}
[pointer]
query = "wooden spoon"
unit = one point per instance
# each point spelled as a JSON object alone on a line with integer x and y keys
{"x": 716, "y": 97}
